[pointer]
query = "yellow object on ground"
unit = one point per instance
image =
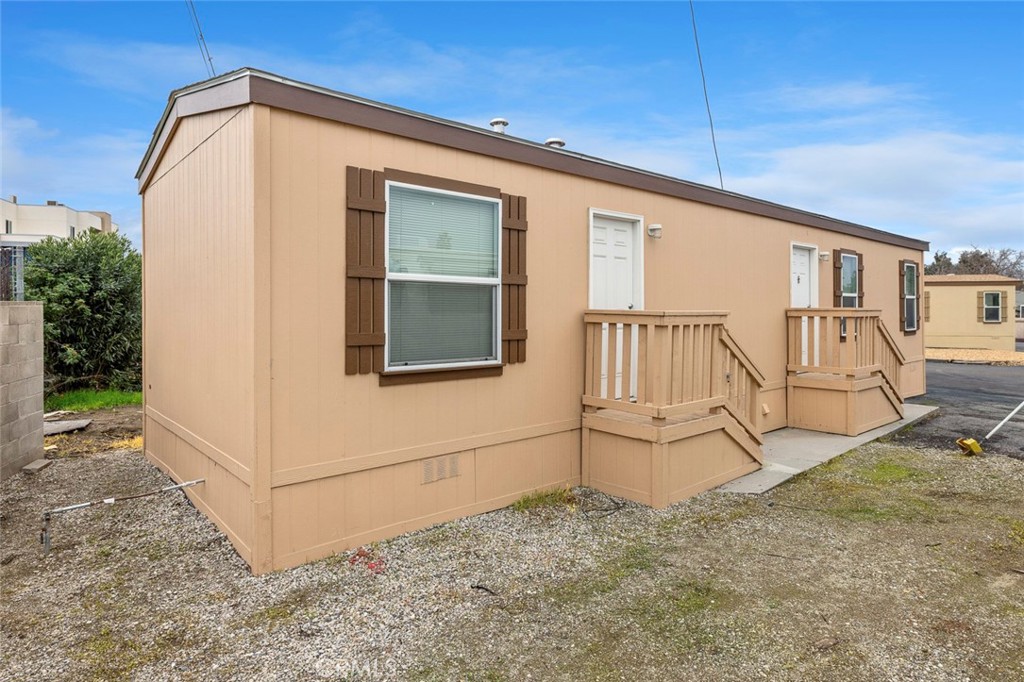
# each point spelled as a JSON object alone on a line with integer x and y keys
{"x": 969, "y": 446}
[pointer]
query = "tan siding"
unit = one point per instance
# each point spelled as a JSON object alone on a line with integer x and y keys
{"x": 198, "y": 275}
{"x": 190, "y": 135}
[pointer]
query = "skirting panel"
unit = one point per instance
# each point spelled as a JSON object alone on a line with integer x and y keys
{"x": 848, "y": 407}
{"x": 223, "y": 497}
{"x": 660, "y": 471}
{"x": 315, "y": 519}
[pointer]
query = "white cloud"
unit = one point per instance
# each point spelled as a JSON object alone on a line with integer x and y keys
{"x": 89, "y": 172}
{"x": 838, "y": 96}
{"x": 936, "y": 185}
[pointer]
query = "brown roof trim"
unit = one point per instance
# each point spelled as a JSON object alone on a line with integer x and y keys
{"x": 252, "y": 86}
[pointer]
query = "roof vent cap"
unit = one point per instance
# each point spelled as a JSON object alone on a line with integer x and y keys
{"x": 498, "y": 125}
{"x": 555, "y": 142}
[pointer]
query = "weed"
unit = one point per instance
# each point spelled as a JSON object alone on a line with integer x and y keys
{"x": 559, "y": 497}
{"x": 1017, "y": 532}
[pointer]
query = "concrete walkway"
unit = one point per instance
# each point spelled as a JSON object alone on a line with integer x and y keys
{"x": 788, "y": 452}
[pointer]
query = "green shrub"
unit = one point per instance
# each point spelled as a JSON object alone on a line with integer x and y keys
{"x": 91, "y": 288}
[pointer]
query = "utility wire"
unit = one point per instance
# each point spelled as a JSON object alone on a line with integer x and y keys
{"x": 198, "y": 29}
{"x": 707, "y": 102}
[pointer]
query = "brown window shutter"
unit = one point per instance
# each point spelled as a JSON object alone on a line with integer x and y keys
{"x": 981, "y": 306}
{"x": 513, "y": 278}
{"x": 927, "y": 306}
{"x": 903, "y": 295}
{"x": 860, "y": 280}
{"x": 364, "y": 281}
{"x": 1004, "y": 307}
{"x": 837, "y": 278}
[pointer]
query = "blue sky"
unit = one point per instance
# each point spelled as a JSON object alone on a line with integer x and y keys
{"x": 908, "y": 117}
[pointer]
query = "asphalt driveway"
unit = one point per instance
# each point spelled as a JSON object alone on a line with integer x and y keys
{"x": 972, "y": 399}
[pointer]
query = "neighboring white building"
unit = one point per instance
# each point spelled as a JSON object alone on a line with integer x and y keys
{"x": 27, "y": 224}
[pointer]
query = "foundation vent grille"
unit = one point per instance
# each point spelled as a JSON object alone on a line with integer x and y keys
{"x": 440, "y": 468}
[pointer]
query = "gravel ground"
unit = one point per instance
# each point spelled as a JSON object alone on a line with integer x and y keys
{"x": 992, "y": 357}
{"x": 891, "y": 563}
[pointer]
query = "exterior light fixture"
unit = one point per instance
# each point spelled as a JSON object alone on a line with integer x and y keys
{"x": 654, "y": 230}
{"x": 823, "y": 256}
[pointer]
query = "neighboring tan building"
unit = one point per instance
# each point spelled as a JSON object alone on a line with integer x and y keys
{"x": 969, "y": 311}
{"x": 27, "y": 224}
{"x": 361, "y": 320}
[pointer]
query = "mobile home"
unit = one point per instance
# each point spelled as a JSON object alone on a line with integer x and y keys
{"x": 361, "y": 320}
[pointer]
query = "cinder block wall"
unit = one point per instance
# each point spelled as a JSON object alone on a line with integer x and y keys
{"x": 21, "y": 384}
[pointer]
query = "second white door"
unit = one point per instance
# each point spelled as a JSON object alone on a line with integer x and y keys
{"x": 614, "y": 285}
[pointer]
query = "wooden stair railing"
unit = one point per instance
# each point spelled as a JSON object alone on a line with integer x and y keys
{"x": 665, "y": 364}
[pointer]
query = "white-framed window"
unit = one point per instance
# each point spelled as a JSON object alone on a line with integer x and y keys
{"x": 442, "y": 293}
{"x": 850, "y": 279}
{"x": 910, "y": 297}
{"x": 993, "y": 304}
{"x": 1020, "y": 312}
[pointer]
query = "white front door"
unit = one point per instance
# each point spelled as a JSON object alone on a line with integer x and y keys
{"x": 801, "y": 293}
{"x": 615, "y": 284}
{"x": 800, "y": 278}
{"x": 611, "y": 264}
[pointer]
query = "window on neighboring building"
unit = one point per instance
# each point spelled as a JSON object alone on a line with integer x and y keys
{"x": 443, "y": 282}
{"x": 992, "y": 307}
{"x": 909, "y": 296}
{"x": 72, "y": 232}
{"x": 8, "y": 227}
{"x": 1020, "y": 312}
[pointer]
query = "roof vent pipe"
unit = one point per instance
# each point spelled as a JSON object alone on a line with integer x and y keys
{"x": 556, "y": 142}
{"x": 498, "y": 125}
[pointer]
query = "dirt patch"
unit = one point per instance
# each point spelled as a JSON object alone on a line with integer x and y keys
{"x": 116, "y": 428}
{"x": 991, "y": 357}
{"x": 893, "y": 562}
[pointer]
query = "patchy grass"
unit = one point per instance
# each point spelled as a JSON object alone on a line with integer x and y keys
{"x": 887, "y": 471}
{"x": 609, "y": 575}
{"x": 282, "y": 612}
{"x": 110, "y": 656}
{"x": 675, "y": 617}
{"x": 132, "y": 443}
{"x": 560, "y": 497}
{"x": 85, "y": 400}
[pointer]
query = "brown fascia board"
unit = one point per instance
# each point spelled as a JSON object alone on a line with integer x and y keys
{"x": 252, "y": 86}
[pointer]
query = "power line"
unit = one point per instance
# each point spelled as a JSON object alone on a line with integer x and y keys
{"x": 707, "y": 102}
{"x": 198, "y": 29}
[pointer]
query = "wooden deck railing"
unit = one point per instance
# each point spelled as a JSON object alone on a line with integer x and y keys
{"x": 850, "y": 342}
{"x": 664, "y": 364}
